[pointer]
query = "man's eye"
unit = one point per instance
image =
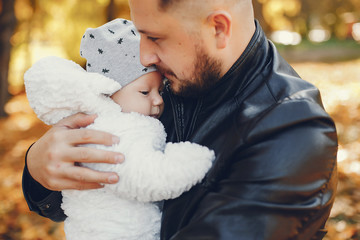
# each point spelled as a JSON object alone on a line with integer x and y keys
{"x": 153, "y": 39}
{"x": 161, "y": 92}
{"x": 144, "y": 92}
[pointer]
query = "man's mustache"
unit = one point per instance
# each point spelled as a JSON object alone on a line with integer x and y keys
{"x": 164, "y": 71}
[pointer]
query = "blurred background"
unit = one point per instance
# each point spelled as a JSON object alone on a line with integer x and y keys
{"x": 320, "y": 39}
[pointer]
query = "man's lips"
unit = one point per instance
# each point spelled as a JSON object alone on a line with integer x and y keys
{"x": 165, "y": 72}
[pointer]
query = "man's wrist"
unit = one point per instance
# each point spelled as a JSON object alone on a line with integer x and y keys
{"x": 33, "y": 189}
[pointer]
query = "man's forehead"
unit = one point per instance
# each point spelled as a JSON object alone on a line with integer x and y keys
{"x": 143, "y": 10}
{"x": 141, "y": 6}
{"x": 148, "y": 19}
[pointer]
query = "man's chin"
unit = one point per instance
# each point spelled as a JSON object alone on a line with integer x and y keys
{"x": 174, "y": 88}
{"x": 183, "y": 88}
{"x": 185, "y": 91}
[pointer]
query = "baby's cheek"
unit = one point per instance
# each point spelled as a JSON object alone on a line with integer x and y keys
{"x": 147, "y": 111}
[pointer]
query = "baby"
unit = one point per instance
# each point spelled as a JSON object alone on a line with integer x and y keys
{"x": 126, "y": 98}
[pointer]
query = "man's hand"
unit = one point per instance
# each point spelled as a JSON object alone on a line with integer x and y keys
{"x": 52, "y": 159}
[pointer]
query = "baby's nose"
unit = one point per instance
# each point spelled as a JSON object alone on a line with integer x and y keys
{"x": 158, "y": 100}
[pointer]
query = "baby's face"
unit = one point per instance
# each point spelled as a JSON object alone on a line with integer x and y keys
{"x": 142, "y": 95}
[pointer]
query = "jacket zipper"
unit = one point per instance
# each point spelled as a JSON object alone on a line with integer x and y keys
{"x": 175, "y": 114}
{"x": 178, "y": 113}
{"x": 194, "y": 118}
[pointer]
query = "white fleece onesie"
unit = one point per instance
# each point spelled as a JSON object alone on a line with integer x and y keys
{"x": 153, "y": 170}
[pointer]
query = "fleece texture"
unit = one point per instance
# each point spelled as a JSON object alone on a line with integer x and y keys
{"x": 153, "y": 169}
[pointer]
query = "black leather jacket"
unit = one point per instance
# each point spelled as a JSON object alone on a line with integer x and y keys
{"x": 274, "y": 176}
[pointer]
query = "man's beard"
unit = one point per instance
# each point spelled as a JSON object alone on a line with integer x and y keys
{"x": 206, "y": 74}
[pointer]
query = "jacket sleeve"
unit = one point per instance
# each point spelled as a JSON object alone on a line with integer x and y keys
{"x": 280, "y": 184}
{"x": 44, "y": 202}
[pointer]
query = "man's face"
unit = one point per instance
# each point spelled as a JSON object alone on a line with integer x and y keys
{"x": 142, "y": 95}
{"x": 178, "y": 51}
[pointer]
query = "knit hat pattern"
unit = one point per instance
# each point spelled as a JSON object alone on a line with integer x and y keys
{"x": 113, "y": 50}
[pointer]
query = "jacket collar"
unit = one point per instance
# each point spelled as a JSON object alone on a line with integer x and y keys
{"x": 183, "y": 112}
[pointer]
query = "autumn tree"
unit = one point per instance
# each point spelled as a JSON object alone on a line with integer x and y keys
{"x": 258, "y": 13}
{"x": 7, "y": 26}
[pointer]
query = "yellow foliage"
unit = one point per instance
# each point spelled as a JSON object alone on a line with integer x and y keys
{"x": 53, "y": 28}
{"x": 23, "y": 10}
{"x": 277, "y": 11}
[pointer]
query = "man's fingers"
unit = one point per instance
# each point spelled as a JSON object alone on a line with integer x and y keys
{"x": 84, "y": 136}
{"x": 77, "y": 121}
{"x": 85, "y": 176}
{"x": 62, "y": 184}
{"x": 93, "y": 155}
{"x": 68, "y": 176}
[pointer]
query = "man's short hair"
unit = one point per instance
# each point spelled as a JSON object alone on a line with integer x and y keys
{"x": 166, "y": 4}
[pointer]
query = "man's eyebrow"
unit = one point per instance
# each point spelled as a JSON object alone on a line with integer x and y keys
{"x": 146, "y": 32}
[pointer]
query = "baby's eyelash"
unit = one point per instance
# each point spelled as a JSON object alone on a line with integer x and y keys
{"x": 144, "y": 92}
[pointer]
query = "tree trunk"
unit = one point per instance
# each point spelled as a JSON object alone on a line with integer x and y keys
{"x": 258, "y": 8}
{"x": 111, "y": 11}
{"x": 7, "y": 26}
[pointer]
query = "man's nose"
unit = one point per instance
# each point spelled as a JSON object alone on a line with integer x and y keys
{"x": 148, "y": 56}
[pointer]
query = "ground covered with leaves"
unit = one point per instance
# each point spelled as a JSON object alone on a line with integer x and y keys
{"x": 339, "y": 84}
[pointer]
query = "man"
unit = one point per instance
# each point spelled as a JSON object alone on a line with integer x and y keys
{"x": 274, "y": 176}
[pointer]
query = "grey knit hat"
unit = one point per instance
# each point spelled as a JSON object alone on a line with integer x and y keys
{"x": 113, "y": 50}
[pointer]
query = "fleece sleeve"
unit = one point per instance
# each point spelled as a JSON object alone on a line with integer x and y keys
{"x": 153, "y": 175}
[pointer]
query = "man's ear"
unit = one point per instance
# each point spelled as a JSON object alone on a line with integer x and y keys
{"x": 221, "y": 21}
